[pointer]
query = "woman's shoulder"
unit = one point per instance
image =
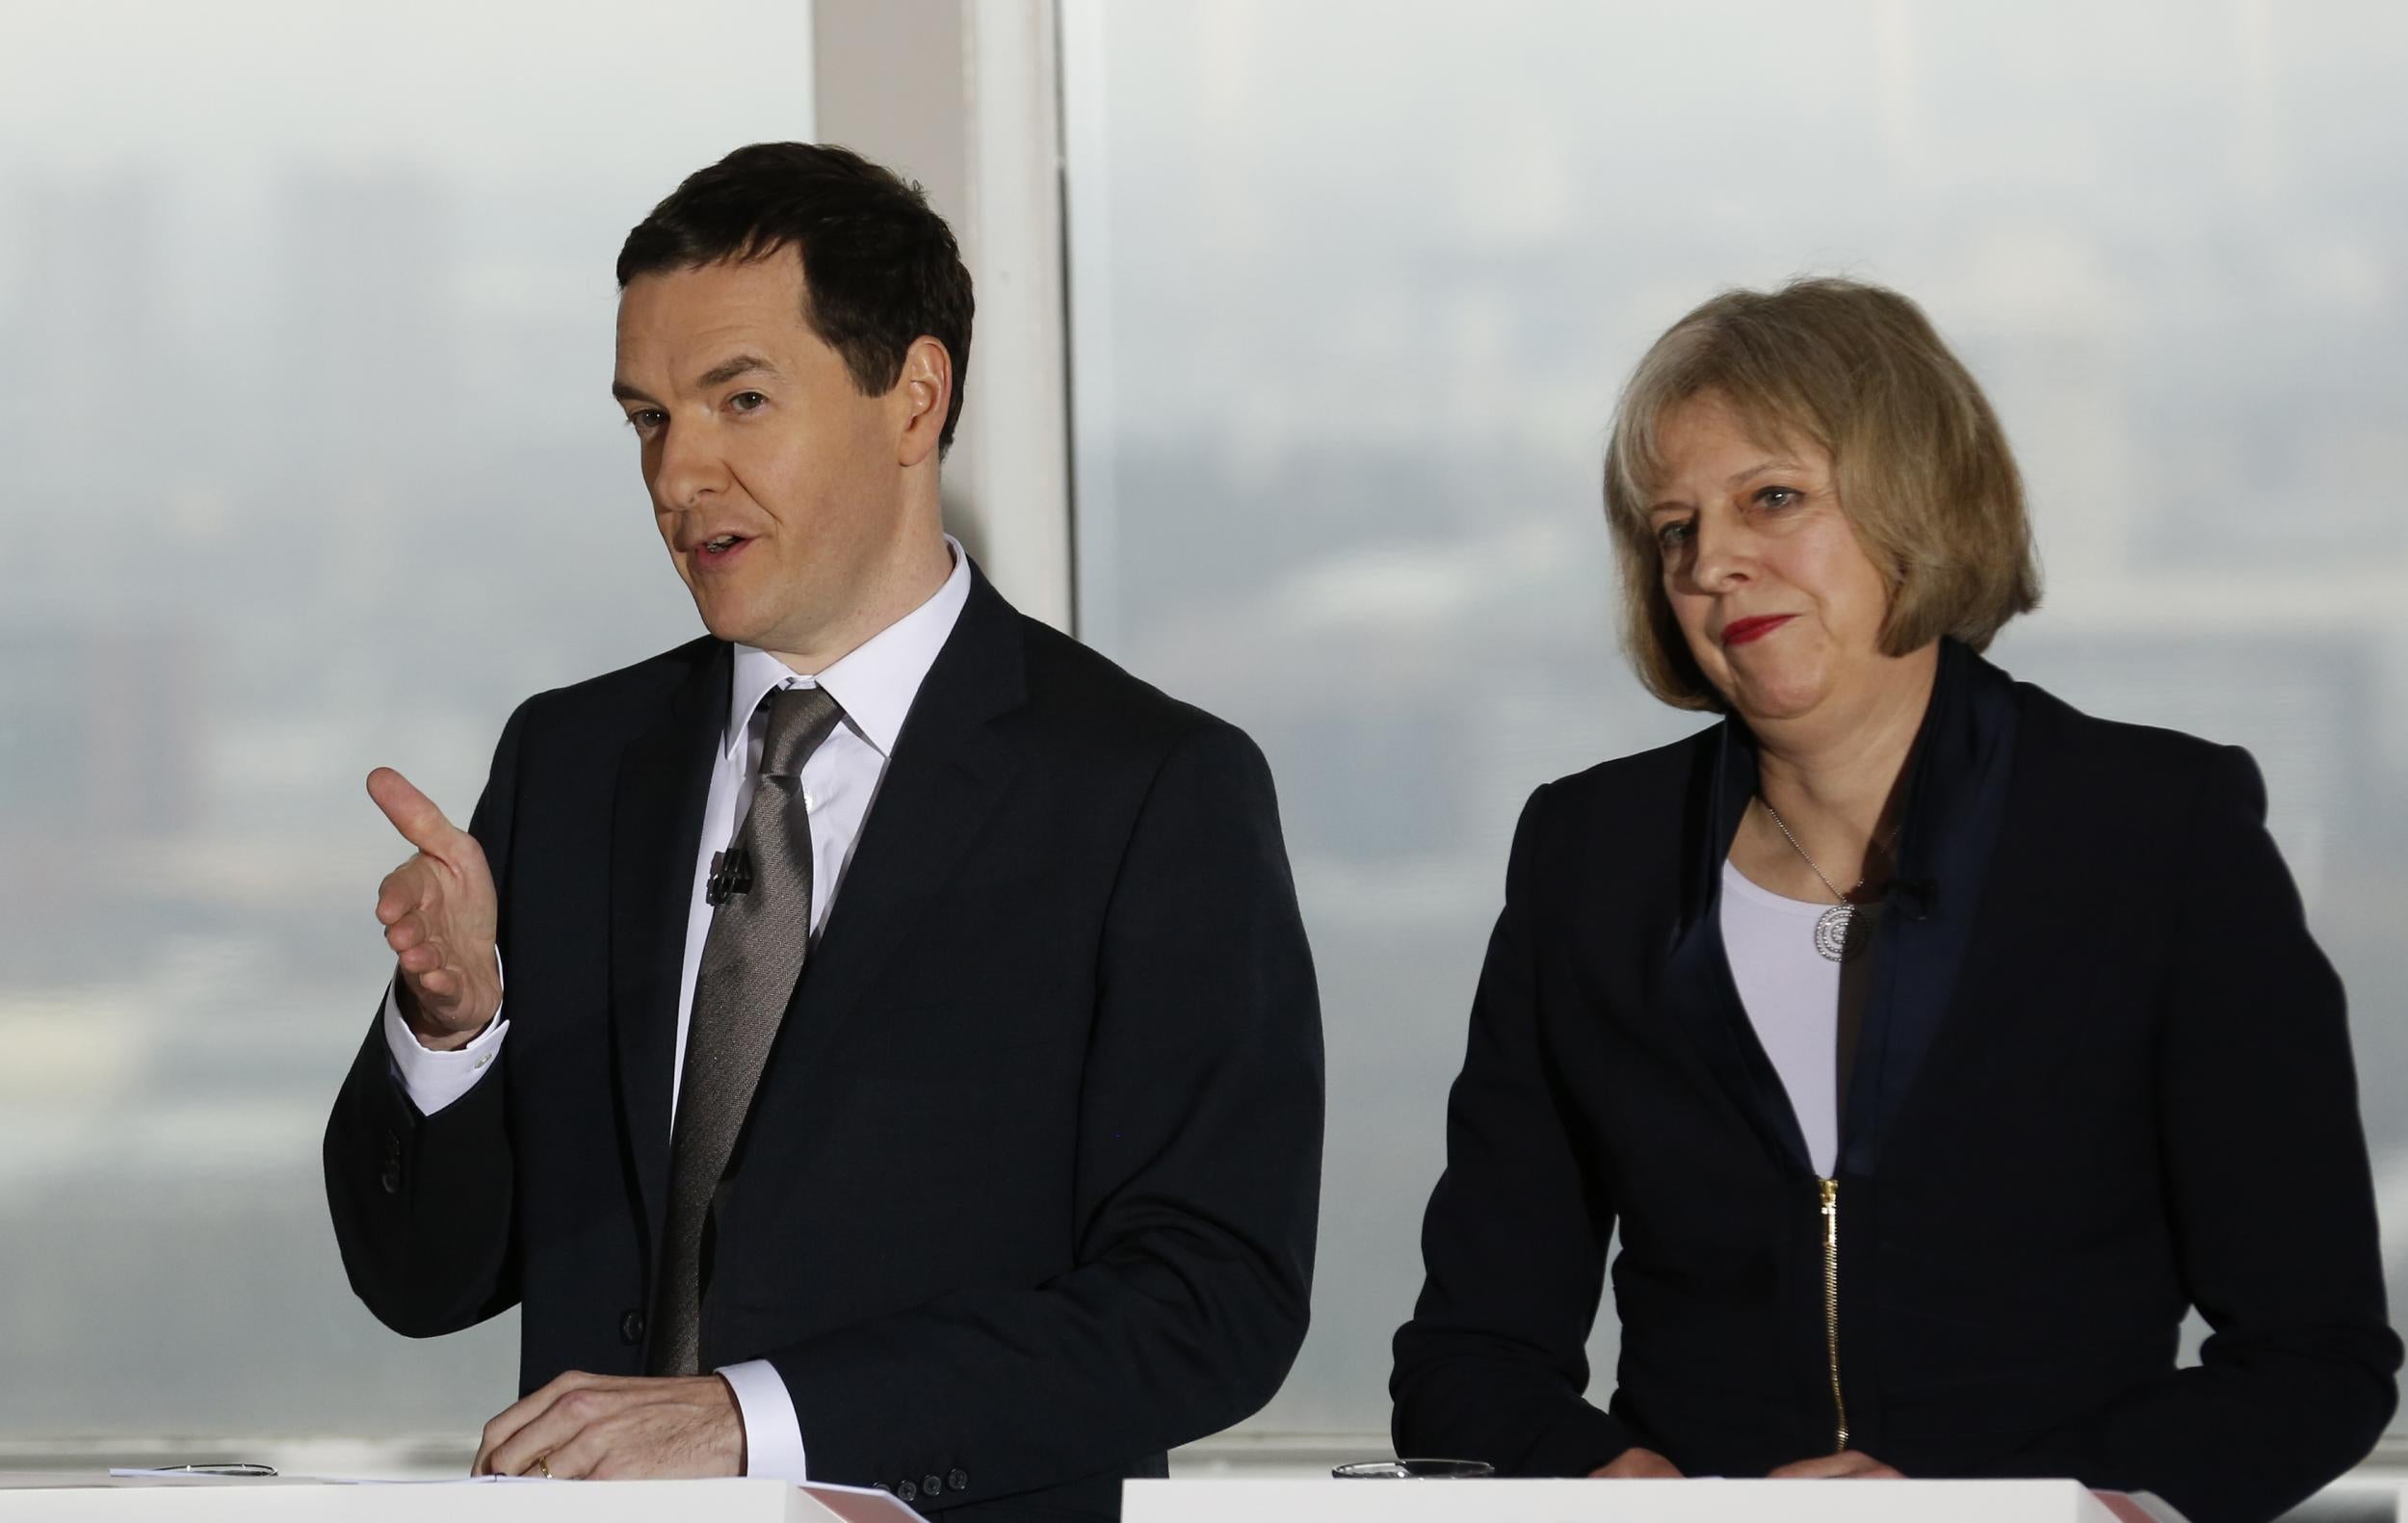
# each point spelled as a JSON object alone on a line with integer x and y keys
{"x": 2145, "y": 766}
{"x": 1621, "y": 819}
{"x": 1646, "y": 783}
{"x": 1636, "y": 803}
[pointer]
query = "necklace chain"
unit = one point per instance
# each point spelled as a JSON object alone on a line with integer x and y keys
{"x": 1784, "y": 826}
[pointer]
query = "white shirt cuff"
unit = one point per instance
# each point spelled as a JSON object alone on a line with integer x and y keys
{"x": 433, "y": 1080}
{"x": 773, "y": 1432}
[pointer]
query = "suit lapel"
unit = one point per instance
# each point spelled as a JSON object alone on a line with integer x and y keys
{"x": 1955, "y": 805}
{"x": 656, "y": 827}
{"x": 1699, "y": 992}
{"x": 952, "y": 764}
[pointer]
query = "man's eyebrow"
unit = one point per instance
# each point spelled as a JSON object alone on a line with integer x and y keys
{"x": 717, "y": 374}
{"x": 741, "y": 365}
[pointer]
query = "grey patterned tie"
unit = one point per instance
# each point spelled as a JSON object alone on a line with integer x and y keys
{"x": 750, "y": 961}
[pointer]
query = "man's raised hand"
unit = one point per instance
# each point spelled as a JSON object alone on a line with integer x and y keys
{"x": 439, "y": 912}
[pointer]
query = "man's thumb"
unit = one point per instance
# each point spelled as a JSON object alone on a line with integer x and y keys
{"x": 412, "y": 813}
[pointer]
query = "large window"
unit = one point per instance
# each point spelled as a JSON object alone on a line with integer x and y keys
{"x": 1353, "y": 285}
{"x": 304, "y": 340}
{"x": 305, "y": 362}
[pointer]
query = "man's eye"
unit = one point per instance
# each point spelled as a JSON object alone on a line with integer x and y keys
{"x": 747, "y": 400}
{"x": 644, "y": 420}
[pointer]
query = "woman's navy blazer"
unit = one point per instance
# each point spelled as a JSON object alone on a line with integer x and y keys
{"x": 2102, "y": 1076}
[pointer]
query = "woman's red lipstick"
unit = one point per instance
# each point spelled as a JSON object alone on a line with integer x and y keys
{"x": 1740, "y": 631}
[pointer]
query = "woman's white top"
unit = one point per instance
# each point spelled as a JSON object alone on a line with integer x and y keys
{"x": 1792, "y": 994}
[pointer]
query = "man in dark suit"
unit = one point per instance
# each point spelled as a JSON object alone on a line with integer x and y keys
{"x": 909, "y": 1071}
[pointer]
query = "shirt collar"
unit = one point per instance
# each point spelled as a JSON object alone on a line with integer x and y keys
{"x": 874, "y": 682}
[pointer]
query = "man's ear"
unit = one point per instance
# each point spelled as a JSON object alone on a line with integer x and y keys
{"x": 926, "y": 389}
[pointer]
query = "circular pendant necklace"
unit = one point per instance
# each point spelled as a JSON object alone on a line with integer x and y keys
{"x": 1832, "y": 927}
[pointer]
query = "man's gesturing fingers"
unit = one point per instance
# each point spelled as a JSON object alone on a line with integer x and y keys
{"x": 439, "y": 913}
{"x": 407, "y": 893}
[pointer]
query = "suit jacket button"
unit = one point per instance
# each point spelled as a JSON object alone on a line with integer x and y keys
{"x": 932, "y": 1486}
{"x": 631, "y": 1327}
{"x": 958, "y": 1480}
{"x": 907, "y": 1491}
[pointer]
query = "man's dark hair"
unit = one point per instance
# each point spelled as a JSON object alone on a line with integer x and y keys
{"x": 879, "y": 269}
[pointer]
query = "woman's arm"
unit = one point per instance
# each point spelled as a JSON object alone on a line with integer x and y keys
{"x": 1493, "y": 1365}
{"x": 2268, "y": 1188}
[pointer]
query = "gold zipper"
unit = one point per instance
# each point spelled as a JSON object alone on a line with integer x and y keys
{"x": 1831, "y": 1305}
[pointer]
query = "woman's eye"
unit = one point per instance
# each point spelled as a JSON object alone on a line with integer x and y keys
{"x": 1778, "y": 496}
{"x": 1674, "y": 534}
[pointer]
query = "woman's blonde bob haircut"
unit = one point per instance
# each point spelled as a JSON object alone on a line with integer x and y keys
{"x": 1921, "y": 467}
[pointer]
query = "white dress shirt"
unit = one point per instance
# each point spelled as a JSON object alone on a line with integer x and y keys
{"x": 875, "y": 685}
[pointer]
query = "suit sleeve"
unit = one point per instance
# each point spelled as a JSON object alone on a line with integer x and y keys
{"x": 1198, "y": 1182}
{"x": 2268, "y": 1188}
{"x": 1493, "y": 1365}
{"x": 422, "y": 1204}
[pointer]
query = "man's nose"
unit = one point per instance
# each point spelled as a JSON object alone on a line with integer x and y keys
{"x": 692, "y": 469}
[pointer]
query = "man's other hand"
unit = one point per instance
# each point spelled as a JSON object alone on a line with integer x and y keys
{"x": 617, "y": 1428}
{"x": 1852, "y": 1465}
{"x": 439, "y": 914}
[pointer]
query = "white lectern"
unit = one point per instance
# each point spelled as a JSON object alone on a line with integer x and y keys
{"x": 73, "y": 1499}
{"x": 1610, "y": 1501}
